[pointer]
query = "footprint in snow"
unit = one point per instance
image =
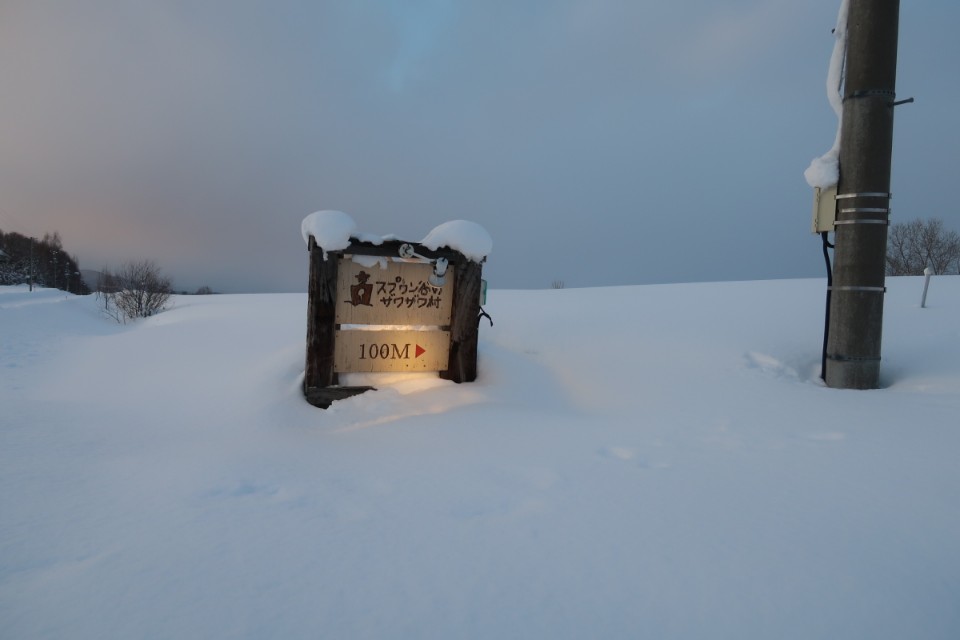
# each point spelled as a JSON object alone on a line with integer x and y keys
{"x": 769, "y": 364}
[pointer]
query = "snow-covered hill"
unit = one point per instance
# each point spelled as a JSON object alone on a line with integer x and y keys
{"x": 634, "y": 462}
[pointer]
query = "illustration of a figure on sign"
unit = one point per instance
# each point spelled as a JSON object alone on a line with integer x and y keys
{"x": 360, "y": 293}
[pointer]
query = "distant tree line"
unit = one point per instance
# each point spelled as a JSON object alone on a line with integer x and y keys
{"x": 44, "y": 260}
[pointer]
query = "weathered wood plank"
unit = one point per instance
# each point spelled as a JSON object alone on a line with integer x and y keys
{"x": 464, "y": 324}
{"x": 400, "y": 294}
{"x": 359, "y": 351}
{"x": 323, "y": 397}
{"x": 321, "y": 313}
{"x": 391, "y": 249}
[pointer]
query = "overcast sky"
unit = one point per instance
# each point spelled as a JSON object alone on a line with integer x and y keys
{"x": 600, "y": 142}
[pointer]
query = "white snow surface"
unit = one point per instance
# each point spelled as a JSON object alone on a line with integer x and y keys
{"x": 633, "y": 462}
{"x": 824, "y": 171}
{"x": 469, "y": 238}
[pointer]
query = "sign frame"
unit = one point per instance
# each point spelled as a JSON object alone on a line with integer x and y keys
{"x": 321, "y": 384}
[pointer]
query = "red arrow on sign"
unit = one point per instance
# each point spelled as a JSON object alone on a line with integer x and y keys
{"x": 420, "y": 351}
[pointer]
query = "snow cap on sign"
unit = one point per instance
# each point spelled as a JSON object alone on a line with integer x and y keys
{"x": 331, "y": 229}
{"x": 469, "y": 238}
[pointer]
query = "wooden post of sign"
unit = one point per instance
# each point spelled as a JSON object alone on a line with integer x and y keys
{"x": 321, "y": 306}
{"x": 319, "y": 379}
{"x": 464, "y": 323}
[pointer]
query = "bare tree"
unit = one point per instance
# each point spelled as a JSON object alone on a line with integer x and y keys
{"x": 915, "y": 245}
{"x": 107, "y": 288}
{"x": 136, "y": 290}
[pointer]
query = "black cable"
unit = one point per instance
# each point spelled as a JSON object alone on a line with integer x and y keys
{"x": 826, "y": 321}
{"x": 484, "y": 314}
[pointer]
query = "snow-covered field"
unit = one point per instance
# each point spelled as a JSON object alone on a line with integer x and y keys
{"x": 635, "y": 462}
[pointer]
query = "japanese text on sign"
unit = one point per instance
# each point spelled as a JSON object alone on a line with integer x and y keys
{"x": 384, "y": 351}
{"x": 412, "y": 295}
{"x": 401, "y": 294}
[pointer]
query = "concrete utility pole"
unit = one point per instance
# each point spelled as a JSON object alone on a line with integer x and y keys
{"x": 863, "y": 195}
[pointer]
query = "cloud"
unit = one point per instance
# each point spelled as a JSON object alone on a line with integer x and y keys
{"x": 737, "y": 37}
{"x": 204, "y": 132}
{"x": 420, "y": 28}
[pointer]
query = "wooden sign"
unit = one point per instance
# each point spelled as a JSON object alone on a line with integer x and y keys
{"x": 388, "y": 318}
{"x": 400, "y": 294}
{"x": 359, "y": 351}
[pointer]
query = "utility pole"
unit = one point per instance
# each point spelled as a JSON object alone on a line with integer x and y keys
{"x": 863, "y": 195}
{"x": 31, "y": 263}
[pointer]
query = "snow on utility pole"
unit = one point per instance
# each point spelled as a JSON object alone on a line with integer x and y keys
{"x": 863, "y": 195}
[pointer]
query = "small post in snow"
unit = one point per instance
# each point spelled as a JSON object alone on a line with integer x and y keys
{"x": 927, "y": 272}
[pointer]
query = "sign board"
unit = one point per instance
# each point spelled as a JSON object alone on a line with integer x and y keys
{"x": 359, "y": 351}
{"x": 372, "y": 308}
{"x": 400, "y": 294}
